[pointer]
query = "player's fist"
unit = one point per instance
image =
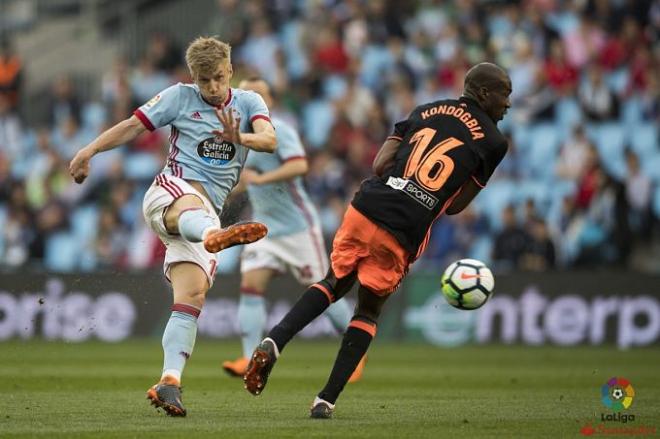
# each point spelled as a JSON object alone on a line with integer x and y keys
{"x": 79, "y": 166}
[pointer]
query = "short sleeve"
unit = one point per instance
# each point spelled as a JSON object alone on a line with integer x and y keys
{"x": 256, "y": 108}
{"x": 162, "y": 109}
{"x": 400, "y": 130}
{"x": 489, "y": 161}
{"x": 289, "y": 146}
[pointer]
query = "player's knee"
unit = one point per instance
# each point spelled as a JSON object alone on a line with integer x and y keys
{"x": 195, "y": 297}
{"x": 369, "y": 304}
{"x": 337, "y": 287}
{"x": 172, "y": 213}
{"x": 252, "y": 288}
{"x": 367, "y": 313}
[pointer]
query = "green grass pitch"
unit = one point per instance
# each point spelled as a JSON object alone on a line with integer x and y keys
{"x": 59, "y": 390}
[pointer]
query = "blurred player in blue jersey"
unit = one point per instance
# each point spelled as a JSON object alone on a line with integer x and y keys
{"x": 212, "y": 129}
{"x": 295, "y": 243}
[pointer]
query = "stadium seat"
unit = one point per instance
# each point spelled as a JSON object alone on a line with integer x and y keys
{"x": 618, "y": 80}
{"x": 296, "y": 61}
{"x": 644, "y": 139}
{"x": 610, "y": 142}
{"x": 497, "y": 195}
{"x": 93, "y": 116}
{"x": 521, "y": 134}
{"x": 318, "y": 118}
{"x": 539, "y": 191}
{"x": 568, "y": 114}
{"x": 334, "y": 87}
{"x": 84, "y": 222}
{"x": 141, "y": 166}
{"x": 62, "y": 252}
{"x": 482, "y": 249}
{"x": 631, "y": 111}
{"x": 542, "y": 154}
{"x": 651, "y": 167}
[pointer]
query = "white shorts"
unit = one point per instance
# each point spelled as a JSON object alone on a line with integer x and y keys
{"x": 163, "y": 192}
{"x": 301, "y": 253}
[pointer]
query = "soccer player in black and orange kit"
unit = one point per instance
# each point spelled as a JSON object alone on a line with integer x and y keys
{"x": 434, "y": 162}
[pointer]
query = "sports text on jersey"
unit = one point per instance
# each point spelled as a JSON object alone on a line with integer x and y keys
{"x": 458, "y": 112}
{"x": 415, "y": 192}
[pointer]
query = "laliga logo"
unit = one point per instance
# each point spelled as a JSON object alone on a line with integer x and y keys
{"x": 617, "y": 394}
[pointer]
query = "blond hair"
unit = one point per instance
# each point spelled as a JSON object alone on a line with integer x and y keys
{"x": 205, "y": 53}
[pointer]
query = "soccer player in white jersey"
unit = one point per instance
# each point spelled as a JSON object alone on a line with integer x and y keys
{"x": 212, "y": 128}
{"x": 294, "y": 242}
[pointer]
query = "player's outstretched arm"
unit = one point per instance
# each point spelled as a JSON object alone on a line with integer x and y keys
{"x": 123, "y": 132}
{"x": 469, "y": 190}
{"x": 289, "y": 169}
{"x": 261, "y": 139}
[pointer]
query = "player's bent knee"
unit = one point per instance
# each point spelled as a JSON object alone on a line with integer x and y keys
{"x": 172, "y": 213}
{"x": 338, "y": 287}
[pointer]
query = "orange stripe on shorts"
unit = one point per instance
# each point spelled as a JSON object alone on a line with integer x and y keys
{"x": 366, "y": 327}
{"x": 325, "y": 291}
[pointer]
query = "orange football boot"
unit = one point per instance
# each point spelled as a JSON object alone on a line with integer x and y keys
{"x": 357, "y": 373}
{"x": 236, "y": 368}
{"x": 236, "y": 234}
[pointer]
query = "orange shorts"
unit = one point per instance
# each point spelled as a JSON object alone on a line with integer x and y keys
{"x": 362, "y": 246}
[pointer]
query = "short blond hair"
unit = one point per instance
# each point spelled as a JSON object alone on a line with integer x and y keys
{"x": 205, "y": 53}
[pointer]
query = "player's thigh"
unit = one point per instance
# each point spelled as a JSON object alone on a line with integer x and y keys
{"x": 351, "y": 243}
{"x": 164, "y": 201}
{"x": 304, "y": 254}
{"x": 263, "y": 253}
{"x": 189, "y": 283}
{"x": 381, "y": 271}
{"x": 171, "y": 217}
{"x": 178, "y": 250}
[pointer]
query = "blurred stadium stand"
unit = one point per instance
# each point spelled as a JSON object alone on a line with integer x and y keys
{"x": 344, "y": 72}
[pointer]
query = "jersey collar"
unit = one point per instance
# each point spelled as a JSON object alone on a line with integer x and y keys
{"x": 227, "y": 101}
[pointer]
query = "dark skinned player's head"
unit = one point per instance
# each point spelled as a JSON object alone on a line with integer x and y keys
{"x": 490, "y": 86}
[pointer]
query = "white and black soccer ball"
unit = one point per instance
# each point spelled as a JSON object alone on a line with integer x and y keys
{"x": 467, "y": 284}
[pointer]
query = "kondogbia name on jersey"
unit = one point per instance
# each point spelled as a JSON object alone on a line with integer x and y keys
{"x": 459, "y": 112}
{"x": 415, "y": 192}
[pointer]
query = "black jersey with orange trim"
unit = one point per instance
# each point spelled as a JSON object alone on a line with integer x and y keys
{"x": 443, "y": 145}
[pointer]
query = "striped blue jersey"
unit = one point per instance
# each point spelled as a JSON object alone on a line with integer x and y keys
{"x": 195, "y": 153}
{"x": 283, "y": 206}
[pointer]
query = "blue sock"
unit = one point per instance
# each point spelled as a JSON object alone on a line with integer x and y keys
{"x": 340, "y": 315}
{"x": 179, "y": 339}
{"x": 251, "y": 321}
{"x": 193, "y": 223}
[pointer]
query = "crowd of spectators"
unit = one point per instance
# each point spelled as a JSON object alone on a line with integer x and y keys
{"x": 579, "y": 186}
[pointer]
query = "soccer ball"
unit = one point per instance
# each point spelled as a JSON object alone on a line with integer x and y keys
{"x": 467, "y": 284}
